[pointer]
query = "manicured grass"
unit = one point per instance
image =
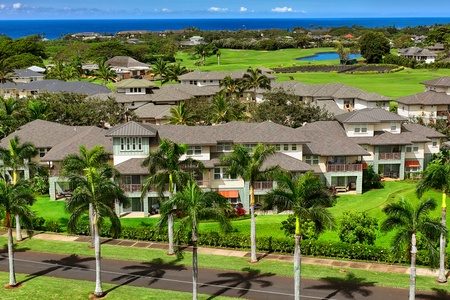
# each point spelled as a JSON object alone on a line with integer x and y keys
{"x": 231, "y": 264}
{"x": 394, "y": 85}
{"x": 49, "y": 288}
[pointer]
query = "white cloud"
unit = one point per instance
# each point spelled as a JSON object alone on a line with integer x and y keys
{"x": 165, "y": 10}
{"x": 283, "y": 9}
{"x": 243, "y": 9}
{"x": 17, "y": 5}
{"x": 217, "y": 9}
{"x": 2, "y": 6}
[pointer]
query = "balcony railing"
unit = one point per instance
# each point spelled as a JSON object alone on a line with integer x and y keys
{"x": 389, "y": 156}
{"x": 344, "y": 168}
{"x": 263, "y": 185}
{"x": 131, "y": 188}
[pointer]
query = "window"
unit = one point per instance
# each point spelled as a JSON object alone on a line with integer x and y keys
{"x": 312, "y": 159}
{"x": 434, "y": 142}
{"x": 393, "y": 126}
{"x": 222, "y": 173}
{"x": 43, "y": 151}
{"x": 250, "y": 146}
{"x": 223, "y": 147}
{"x": 135, "y": 90}
{"x": 277, "y": 147}
{"x": 412, "y": 148}
{"x": 286, "y": 147}
{"x": 360, "y": 128}
{"x": 294, "y": 147}
{"x": 131, "y": 144}
{"x": 194, "y": 150}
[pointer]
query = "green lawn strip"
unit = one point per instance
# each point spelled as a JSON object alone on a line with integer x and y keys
{"x": 231, "y": 263}
{"x": 50, "y": 288}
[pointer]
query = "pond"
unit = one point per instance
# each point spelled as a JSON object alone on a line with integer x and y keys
{"x": 326, "y": 56}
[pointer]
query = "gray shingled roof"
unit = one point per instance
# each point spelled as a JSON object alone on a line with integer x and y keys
{"x": 42, "y": 134}
{"x": 126, "y": 62}
{"x": 88, "y": 136}
{"x": 153, "y": 111}
{"x": 286, "y": 162}
{"x": 134, "y": 83}
{"x": 24, "y": 73}
{"x": 441, "y": 82}
{"x": 420, "y": 130}
{"x": 132, "y": 166}
{"x": 415, "y": 51}
{"x": 426, "y": 98}
{"x": 328, "y": 138}
{"x": 369, "y": 115}
{"x": 330, "y": 90}
{"x": 57, "y": 86}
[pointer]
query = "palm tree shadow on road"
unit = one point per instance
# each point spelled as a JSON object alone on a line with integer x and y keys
{"x": 438, "y": 295}
{"x": 346, "y": 287}
{"x": 243, "y": 280}
{"x": 65, "y": 264}
{"x": 153, "y": 270}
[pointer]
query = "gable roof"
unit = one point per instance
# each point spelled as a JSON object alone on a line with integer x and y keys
{"x": 438, "y": 82}
{"x": 153, "y": 111}
{"x": 126, "y": 62}
{"x": 131, "y": 129}
{"x": 57, "y": 86}
{"x": 26, "y": 73}
{"x": 369, "y": 115}
{"x": 415, "y": 51}
{"x": 134, "y": 83}
{"x": 426, "y": 98}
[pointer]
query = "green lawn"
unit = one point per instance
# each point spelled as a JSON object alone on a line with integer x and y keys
{"x": 48, "y": 288}
{"x": 371, "y": 202}
{"x": 392, "y": 85}
{"x": 227, "y": 263}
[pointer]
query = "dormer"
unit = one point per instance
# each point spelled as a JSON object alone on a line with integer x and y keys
{"x": 134, "y": 86}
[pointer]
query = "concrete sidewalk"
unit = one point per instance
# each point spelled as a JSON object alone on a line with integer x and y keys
{"x": 378, "y": 267}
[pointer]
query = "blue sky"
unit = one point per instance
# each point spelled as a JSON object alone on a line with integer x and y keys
{"x": 145, "y": 9}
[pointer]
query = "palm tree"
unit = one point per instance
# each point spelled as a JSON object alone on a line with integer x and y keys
{"x": 247, "y": 164}
{"x": 105, "y": 73}
{"x": 308, "y": 198}
{"x": 411, "y": 221}
{"x": 232, "y": 87}
{"x": 37, "y": 109}
{"x": 57, "y": 71}
{"x": 437, "y": 176}
{"x": 168, "y": 172}
{"x": 202, "y": 50}
{"x": 96, "y": 157}
{"x": 14, "y": 200}
{"x": 15, "y": 157}
{"x": 193, "y": 203}
{"x": 174, "y": 71}
{"x": 96, "y": 187}
{"x": 12, "y": 115}
{"x": 160, "y": 68}
{"x": 181, "y": 115}
{"x": 254, "y": 78}
{"x": 222, "y": 110}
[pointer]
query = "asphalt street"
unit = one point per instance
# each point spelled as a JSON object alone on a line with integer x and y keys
{"x": 248, "y": 284}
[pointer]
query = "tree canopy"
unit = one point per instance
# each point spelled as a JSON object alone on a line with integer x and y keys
{"x": 373, "y": 46}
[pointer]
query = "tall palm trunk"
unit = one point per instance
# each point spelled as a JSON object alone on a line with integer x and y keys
{"x": 91, "y": 224}
{"x": 412, "y": 282}
{"x": 194, "y": 262}
{"x": 170, "y": 233}
{"x": 253, "y": 257}
{"x": 12, "y": 273}
{"x": 297, "y": 260}
{"x": 18, "y": 228}
{"x": 442, "y": 242}
{"x": 98, "y": 279}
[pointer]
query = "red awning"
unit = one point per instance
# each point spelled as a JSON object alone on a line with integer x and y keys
{"x": 412, "y": 163}
{"x": 230, "y": 193}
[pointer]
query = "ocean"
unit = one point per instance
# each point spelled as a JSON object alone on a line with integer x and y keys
{"x": 54, "y": 29}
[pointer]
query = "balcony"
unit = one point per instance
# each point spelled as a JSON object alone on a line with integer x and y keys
{"x": 131, "y": 188}
{"x": 444, "y": 114}
{"x": 263, "y": 185}
{"x": 344, "y": 168}
{"x": 390, "y": 156}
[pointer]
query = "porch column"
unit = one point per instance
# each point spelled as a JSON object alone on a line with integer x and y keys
{"x": 145, "y": 206}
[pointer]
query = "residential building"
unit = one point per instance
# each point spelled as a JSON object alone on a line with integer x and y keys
{"x": 430, "y": 105}
{"x": 127, "y": 67}
{"x": 132, "y": 143}
{"x": 419, "y": 54}
{"x": 54, "y": 141}
{"x": 26, "y": 75}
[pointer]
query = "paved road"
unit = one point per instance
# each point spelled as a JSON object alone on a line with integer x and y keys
{"x": 248, "y": 284}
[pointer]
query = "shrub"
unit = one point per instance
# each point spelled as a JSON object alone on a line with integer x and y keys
{"x": 358, "y": 228}
{"x": 53, "y": 226}
{"x": 307, "y": 228}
